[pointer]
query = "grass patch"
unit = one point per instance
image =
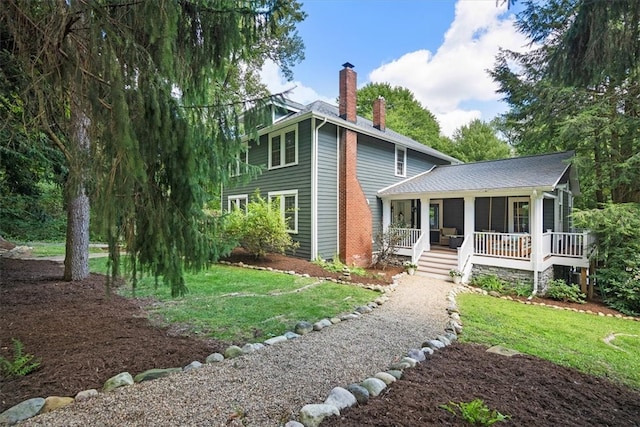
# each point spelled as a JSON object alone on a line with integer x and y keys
{"x": 563, "y": 337}
{"x": 243, "y": 305}
{"x": 46, "y": 249}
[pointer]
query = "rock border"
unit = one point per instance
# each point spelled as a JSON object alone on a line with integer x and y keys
{"x": 38, "y": 405}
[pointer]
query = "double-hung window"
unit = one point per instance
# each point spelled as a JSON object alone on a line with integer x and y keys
{"x": 283, "y": 147}
{"x": 401, "y": 161}
{"x": 287, "y": 202}
{"x": 238, "y": 201}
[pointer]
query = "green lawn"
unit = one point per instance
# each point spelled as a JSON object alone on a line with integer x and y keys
{"x": 46, "y": 249}
{"x": 563, "y": 337}
{"x": 243, "y": 305}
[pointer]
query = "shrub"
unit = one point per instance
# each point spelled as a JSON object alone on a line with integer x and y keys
{"x": 475, "y": 412}
{"x": 617, "y": 229}
{"x": 489, "y": 283}
{"x": 337, "y": 266}
{"x": 559, "y": 290}
{"x": 22, "y": 363}
{"x": 261, "y": 229}
{"x": 386, "y": 243}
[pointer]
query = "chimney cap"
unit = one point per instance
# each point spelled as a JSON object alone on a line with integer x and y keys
{"x": 347, "y": 65}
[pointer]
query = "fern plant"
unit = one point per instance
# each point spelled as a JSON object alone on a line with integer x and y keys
{"x": 475, "y": 412}
{"x": 21, "y": 363}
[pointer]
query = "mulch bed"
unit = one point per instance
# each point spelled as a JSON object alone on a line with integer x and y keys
{"x": 83, "y": 337}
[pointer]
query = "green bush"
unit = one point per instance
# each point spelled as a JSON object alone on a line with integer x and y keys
{"x": 559, "y": 290}
{"x": 489, "y": 282}
{"x": 617, "y": 229}
{"x": 261, "y": 229}
{"x": 475, "y": 412}
{"x": 22, "y": 363}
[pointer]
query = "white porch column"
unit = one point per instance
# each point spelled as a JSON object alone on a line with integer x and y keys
{"x": 469, "y": 216}
{"x": 386, "y": 214}
{"x": 536, "y": 231}
{"x": 425, "y": 223}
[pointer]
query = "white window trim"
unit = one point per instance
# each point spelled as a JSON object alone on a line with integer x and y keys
{"x": 511, "y": 201}
{"x": 237, "y": 168}
{"x": 282, "y": 194}
{"x": 404, "y": 163}
{"x": 236, "y": 197}
{"x": 282, "y": 132}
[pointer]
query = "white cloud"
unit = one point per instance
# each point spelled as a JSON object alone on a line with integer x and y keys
{"x": 271, "y": 76}
{"x": 457, "y": 72}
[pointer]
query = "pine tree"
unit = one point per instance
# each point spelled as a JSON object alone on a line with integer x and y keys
{"x": 143, "y": 99}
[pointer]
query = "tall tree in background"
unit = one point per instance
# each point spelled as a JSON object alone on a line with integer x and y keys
{"x": 142, "y": 98}
{"x": 579, "y": 89}
{"x": 405, "y": 114}
{"x": 477, "y": 141}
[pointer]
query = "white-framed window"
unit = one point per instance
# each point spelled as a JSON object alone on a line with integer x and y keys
{"x": 519, "y": 219}
{"x": 283, "y": 147}
{"x": 401, "y": 161}
{"x": 238, "y": 165}
{"x": 238, "y": 201}
{"x": 288, "y": 204}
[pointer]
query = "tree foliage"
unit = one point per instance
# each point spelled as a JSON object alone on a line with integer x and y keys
{"x": 143, "y": 99}
{"x": 261, "y": 229}
{"x": 617, "y": 229}
{"x": 404, "y": 114}
{"x": 477, "y": 141}
{"x": 578, "y": 90}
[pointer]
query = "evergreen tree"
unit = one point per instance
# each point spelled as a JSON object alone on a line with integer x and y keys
{"x": 143, "y": 99}
{"x": 477, "y": 141}
{"x": 578, "y": 89}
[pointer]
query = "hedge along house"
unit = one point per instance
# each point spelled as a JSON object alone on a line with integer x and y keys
{"x": 325, "y": 164}
{"x": 508, "y": 217}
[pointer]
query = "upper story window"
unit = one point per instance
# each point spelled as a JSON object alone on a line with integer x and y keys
{"x": 288, "y": 204}
{"x": 401, "y": 161}
{"x": 238, "y": 165}
{"x": 283, "y": 147}
{"x": 237, "y": 202}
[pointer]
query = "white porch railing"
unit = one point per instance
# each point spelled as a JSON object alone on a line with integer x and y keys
{"x": 408, "y": 237}
{"x": 504, "y": 245}
{"x": 419, "y": 246}
{"x": 565, "y": 244}
{"x": 464, "y": 256}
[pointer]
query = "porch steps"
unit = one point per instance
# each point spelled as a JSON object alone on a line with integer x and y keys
{"x": 437, "y": 262}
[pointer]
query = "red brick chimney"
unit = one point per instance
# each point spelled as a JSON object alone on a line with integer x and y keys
{"x": 348, "y": 81}
{"x": 379, "y": 114}
{"x": 355, "y": 220}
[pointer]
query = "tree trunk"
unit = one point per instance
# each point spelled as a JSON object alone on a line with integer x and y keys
{"x": 76, "y": 262}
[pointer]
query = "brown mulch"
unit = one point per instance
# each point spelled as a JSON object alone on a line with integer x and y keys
{"x": 532, "y": 391}
{"x": 84, "y": 337}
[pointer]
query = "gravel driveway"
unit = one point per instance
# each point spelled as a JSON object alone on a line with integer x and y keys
{"x": 268, "y": 387}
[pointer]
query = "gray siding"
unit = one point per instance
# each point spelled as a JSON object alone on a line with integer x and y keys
{"x": 297, "y": 177}
{"x": 376, "y": 170}
{"x": 327, "y": 191}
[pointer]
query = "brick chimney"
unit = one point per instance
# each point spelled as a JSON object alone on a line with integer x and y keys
{"x": 348, "y": 81}
{"x": 379, "y": 114}
{"x": 355, "y": 220}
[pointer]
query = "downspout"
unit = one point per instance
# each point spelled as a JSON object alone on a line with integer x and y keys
{"x": 314, "y": 192}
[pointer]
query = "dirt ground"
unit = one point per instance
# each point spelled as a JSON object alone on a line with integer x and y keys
{"x": 83, "y": 337}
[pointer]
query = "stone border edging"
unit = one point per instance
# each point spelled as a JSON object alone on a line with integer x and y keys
{"x": 38, "y": 405}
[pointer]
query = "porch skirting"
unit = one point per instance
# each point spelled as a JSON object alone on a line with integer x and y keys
{"x": 512, "y": 275}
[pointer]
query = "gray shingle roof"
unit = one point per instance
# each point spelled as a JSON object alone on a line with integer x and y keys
{"x": 541, "y": 171}
{"x": 331, "y": 112}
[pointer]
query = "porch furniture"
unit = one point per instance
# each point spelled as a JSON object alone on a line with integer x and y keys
{"x": 455, "y": 241}
{"x": 445, "y": 232}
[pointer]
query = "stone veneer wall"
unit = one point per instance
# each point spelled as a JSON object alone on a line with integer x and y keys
{"x": 513, "y": 275}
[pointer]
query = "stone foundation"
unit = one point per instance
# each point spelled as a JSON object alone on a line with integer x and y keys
{"x": 513, "y": 275}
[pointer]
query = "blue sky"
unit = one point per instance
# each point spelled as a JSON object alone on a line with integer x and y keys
{"x": 439, "y": 49}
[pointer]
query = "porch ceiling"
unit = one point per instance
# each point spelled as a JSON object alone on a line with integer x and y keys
{"x": 540, "y": 172}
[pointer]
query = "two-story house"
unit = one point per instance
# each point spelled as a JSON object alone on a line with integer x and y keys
{"x": 341, "y": 178}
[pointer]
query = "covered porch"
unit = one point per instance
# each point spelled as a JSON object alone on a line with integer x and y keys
{"x": 512, "y": 214}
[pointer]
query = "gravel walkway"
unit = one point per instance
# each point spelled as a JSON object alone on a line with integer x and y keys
{"x": 267, "y": 388}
